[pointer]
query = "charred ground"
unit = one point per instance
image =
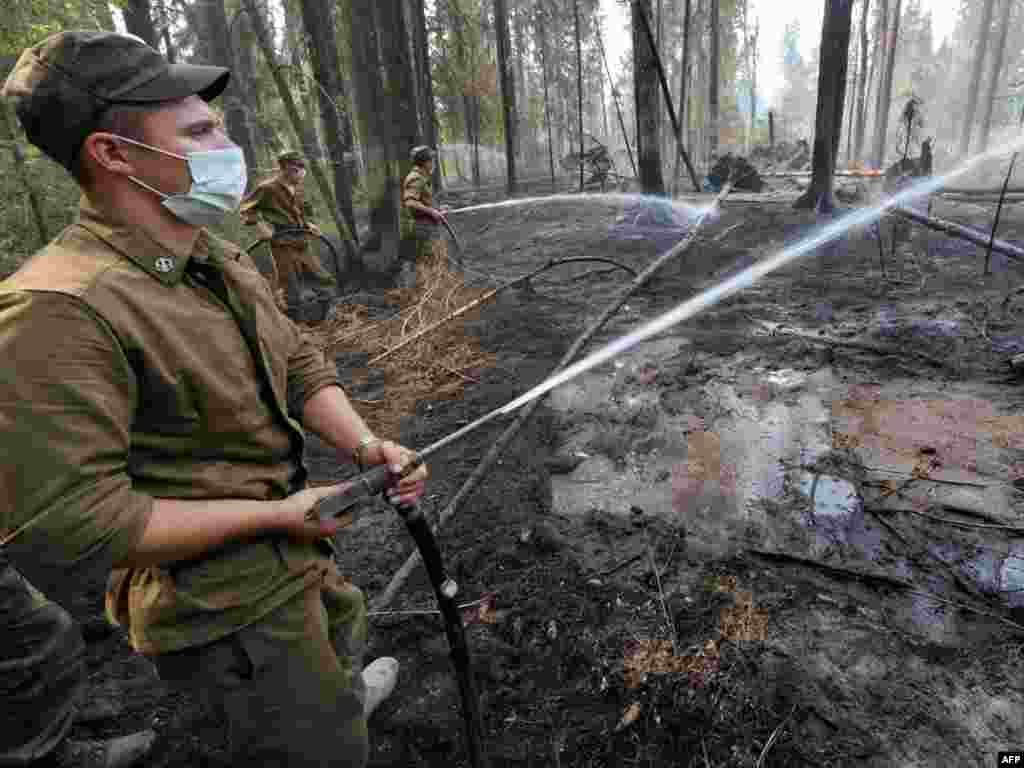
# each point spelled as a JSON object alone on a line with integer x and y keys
{"x": 778, "y": 661}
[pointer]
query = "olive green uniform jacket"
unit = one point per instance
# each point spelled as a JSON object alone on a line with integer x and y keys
{"x": 125, "y": 378}
{"x": 274, "y": 203}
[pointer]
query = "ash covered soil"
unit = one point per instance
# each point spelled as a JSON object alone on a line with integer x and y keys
{"x": 785, "y": 533}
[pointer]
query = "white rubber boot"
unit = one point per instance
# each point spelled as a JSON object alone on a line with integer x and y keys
{"x": 380, "y": 678}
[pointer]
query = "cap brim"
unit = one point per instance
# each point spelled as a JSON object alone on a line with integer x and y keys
{"x": 180, "y": 81}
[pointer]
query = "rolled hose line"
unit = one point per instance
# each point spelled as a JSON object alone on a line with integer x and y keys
{"x": 297, "y": 231}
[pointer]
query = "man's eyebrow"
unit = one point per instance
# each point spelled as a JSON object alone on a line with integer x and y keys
{"x": 205, "y": 123}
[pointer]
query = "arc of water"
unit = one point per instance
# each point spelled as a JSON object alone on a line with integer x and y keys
{"x": 751, "y": 275}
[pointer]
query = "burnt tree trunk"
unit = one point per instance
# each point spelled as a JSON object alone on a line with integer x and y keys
{"x": 713, "y": 85}
{"x": 833, "y": 62}
{"x": 579, "y": 81}
{"x": 542, "y": 33}
{"x": 974, "y": 88}
{"x": 885, "y": 87}
{"x": 296, "y": 48}
{"x": 318, "y": 19}
{"x": 508, "y": 93}
{"x": 428, "y": 111}
{"x": 860, "y": 112}
{"x": 138, "y": 20}
{"x": 993, "y": 80}
{"x": 684, "y": 76}
{"x": 385, "y": 105}
{"x": 647, "y": 104}
{"x": 525, "y": 138}
{"x": 265, "y": 137}
{"x": 370, "y": 110}
{"x": 214, "y": 28}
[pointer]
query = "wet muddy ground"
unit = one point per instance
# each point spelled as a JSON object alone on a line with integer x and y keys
{"x": 786, "y": 533}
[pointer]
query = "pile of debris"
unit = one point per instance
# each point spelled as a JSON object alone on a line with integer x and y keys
{"x": 784, "y": 155}
{"x": 744, "y": 175}
{"x": 404, "y": 347}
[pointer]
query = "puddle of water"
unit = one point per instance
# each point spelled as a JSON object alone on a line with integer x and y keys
{"x": 653, "y": 219}
{"x": 753, "y": 446}
{"x": 995, "y": 573}
{"x": 836, "y": 516}
{"x": 891, "y": 324}
{"x": 824, "y": 312}
{"x": 1007, "y": 344}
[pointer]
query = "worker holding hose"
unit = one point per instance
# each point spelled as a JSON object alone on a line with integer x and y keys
{"x": 421, "y": 242}
{"x": 275, "y": 207}
{"x": 153, "y": 416}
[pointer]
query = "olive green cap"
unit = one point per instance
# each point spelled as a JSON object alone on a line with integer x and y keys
{"x": 421, "y": 153}
{"x": 61, "y": 87}
{"x": 291, "y": 156}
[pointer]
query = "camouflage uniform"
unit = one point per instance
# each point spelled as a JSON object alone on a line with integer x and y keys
{"x": 149, "y": 369}
{"x": 273, "y": 202}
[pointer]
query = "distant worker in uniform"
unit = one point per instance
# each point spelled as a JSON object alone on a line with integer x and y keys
{"x": 276, "y": 206}
{"x": 421, "y": 242}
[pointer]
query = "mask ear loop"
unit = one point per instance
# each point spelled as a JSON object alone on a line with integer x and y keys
{"x": 150, "y": 147}
{"x": 144, "y": 185}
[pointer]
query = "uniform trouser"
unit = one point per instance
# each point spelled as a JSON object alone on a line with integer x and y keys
{"x": 289, "y": 261}
{"x": 421, "y": 248}
{"x": 289, "y": 687}
{"x": 42, "y": 670}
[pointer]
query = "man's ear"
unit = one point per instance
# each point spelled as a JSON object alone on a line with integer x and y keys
{"x": 105, "y": 151}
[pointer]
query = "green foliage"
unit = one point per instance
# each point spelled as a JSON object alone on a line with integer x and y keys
{"x": 19, "y": 234}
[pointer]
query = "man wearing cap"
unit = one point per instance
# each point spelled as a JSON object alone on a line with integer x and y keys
{"x": 152, "y": 414}
{"x": 420, "y": 239}
{"x": 278, "y": 207}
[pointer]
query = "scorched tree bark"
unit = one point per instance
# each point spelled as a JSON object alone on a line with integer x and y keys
{"x": 834, "y": 57}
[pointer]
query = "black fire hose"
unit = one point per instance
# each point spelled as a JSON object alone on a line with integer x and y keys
{"x": 291, "y": 231}
{"x": 370, "y": 484}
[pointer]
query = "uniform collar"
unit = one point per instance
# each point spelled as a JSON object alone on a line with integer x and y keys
{"x": 163, "y": 260}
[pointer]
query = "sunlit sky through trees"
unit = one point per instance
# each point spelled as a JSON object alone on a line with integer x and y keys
{"x": 774, "y": 16}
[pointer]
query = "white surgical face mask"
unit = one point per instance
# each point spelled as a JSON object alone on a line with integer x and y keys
{"x": 219, "y": 178}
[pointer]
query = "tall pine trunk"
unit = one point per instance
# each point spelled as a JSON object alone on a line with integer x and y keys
{"x": 885, "y": 87}
{"x": 370, "y": 111}
{"x": 974, "y": 88}
{"x": 684, "y": 104}
{"x": 385, "y": 105}
{"x": 138, "y": 20}
{"x": 714, "y": 30}
{"x": 579, "y": 81}
{"x": 860, "y": 115}
{"x": 266, "y": 140}
{"x": 542, "y": 32}
{"x": 834, "y": 57}
{"x": 508, "y": 93}
{"x": 214, "y": 28}
{"x": 647, "y": 104}
{"x": 525, "y": 139}
{"x": 428, "y": 111}
{"x": 318, "y": 19}
{"x": 993, "y": 81}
